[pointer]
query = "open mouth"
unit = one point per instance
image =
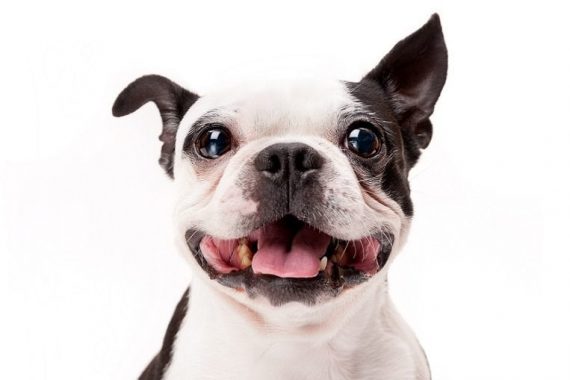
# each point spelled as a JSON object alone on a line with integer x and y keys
{"x": 290, "y": 260}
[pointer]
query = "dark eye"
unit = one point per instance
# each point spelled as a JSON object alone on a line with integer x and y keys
{"x": 214, "y": 142}
{"x": 362, "y": 140}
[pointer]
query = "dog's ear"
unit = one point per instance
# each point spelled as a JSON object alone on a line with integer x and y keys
{"x": 412, "y": 74}
{"x": 172, "y": 101}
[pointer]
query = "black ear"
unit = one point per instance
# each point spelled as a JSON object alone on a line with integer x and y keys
{"x": 412, "y": 74}
{"x": 172, "y": 101}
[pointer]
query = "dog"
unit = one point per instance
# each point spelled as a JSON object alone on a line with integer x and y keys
{"x": 292, "y": 201}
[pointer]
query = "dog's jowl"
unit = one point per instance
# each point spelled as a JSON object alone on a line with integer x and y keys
{"x": 292, "y": 201}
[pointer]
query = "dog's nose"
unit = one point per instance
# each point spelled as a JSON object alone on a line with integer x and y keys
{"x": 286, "y": 162}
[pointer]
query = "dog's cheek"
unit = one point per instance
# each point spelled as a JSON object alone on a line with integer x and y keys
{"x": 234, "y": 201}
{"x": 192, "y": 195}
{"x": 365, "y": 196}
{"x": 342, "y": 208}
{"x": 205, "y": 194}
{"x": 225, "y": 210}
{"x": 395, "y": 183}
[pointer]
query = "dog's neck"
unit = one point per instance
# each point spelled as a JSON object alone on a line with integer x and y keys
{"x": 292, "y": 321}
{"x": 221, "y": 338}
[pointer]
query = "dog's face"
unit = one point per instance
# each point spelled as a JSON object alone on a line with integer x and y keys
{"x": 298, "y": 190}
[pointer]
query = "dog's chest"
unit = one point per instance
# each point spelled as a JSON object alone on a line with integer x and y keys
{"x": 215, "y": 346}
{"x": 205, "y": 351}
{"x": 279, "y": 361}
{"x": 271, "y": 363}
{"x": 216, "y": 361}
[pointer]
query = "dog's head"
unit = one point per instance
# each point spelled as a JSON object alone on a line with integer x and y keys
{"x": 299, "y": 190}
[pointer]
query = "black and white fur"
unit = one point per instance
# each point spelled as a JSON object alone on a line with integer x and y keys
{"x": 221, "y": 332}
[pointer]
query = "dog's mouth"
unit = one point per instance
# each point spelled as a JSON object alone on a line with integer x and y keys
{"x": 290, "y": 260}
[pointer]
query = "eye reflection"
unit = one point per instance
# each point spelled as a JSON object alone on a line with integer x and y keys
{"x": 214, "y": 142}
{"x": 362, "y": 140}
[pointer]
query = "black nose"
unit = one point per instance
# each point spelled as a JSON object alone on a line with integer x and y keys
{"x": 286, "y": 162}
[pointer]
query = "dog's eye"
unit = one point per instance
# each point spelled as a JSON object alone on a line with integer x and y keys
{"x": 362, "y": 140}
{"x": 214, "y": 142}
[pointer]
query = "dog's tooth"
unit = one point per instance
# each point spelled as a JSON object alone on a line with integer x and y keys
{"x": 336, "y": 255}
{"x": 323, "y": 263}
{"x": 329, "y": 269}
{"x": 339, "y": 255}
{"x": 245, "y": 255}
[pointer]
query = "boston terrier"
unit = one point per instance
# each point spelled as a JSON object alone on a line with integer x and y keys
{"x": 292, "y": 201}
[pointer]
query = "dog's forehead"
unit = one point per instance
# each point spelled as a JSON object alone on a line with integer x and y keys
{"x": 277, "y": 106}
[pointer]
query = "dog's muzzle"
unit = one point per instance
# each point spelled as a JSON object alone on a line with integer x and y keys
{"x": 287, "y": 256}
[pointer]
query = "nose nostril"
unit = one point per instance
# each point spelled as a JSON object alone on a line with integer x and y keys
{"x": 282, "y": 161}
{"x": 273, "y": 164}
{"x": 308, "y": 159}
{"x": 268, "y": 162}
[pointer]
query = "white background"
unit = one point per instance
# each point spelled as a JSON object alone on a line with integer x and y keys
{"x": 89, "y": 275}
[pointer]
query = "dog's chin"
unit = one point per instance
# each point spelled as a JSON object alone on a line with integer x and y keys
{"x": 290, "y": 261}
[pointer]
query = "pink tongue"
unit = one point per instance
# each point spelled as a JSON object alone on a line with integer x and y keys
{"x": 284, "y": 253}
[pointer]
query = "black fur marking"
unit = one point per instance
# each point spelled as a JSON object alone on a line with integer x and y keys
{"x": 402, "y": 91}
{"x": 156, "y": 368}
{"x": 172, "y": 101}
{"x": 412, "y": 75}
{"x": 389, "y": 169}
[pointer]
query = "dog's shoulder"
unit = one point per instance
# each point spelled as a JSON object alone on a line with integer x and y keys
{"x": 155, "y": 369}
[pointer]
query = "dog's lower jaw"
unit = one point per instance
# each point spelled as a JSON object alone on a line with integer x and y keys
{"x": 220, "y": 338}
